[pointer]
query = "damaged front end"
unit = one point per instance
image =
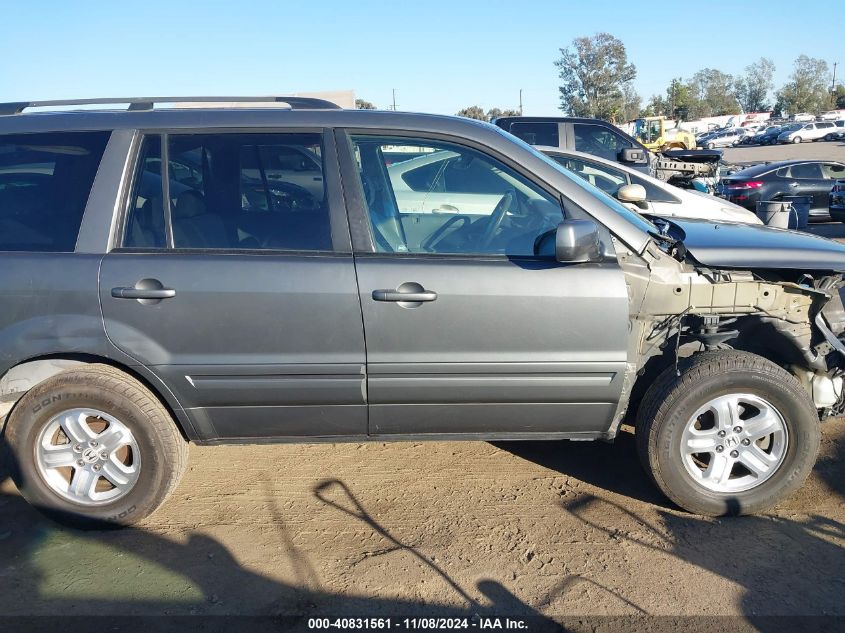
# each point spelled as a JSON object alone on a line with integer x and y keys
{"x": 680, "y": 306}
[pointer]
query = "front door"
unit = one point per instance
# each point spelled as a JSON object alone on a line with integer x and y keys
{"x": 807, "y": 180}
{"x": 245, "y": 303}
{"x": 467, "y": 330}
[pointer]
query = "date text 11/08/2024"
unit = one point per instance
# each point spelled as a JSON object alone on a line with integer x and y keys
{"x": 484, "y": 623}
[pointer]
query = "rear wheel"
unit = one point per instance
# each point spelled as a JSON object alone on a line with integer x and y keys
{"x": 93, "y": 446}
{"x": 733, "y": 434}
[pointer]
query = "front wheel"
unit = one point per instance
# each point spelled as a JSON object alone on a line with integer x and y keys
{"x": 711, "y": 145}
{"x": 797, "y": 139}
{"x": 733, "y": 434}
{"x": 93, "y": 447}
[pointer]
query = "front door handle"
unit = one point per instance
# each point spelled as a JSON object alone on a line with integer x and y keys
{"x": 141, "y": 293}
{"x": 395, "y": 295}
{"x": 410, "y": 293}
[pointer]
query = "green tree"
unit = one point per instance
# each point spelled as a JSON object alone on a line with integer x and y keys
{"x": 361, "y": 104}
{"x": 477, "y": 112}
{"x": 657, "y": 106}
{"x": 839, "y": 97}
{"x": 473, "y": 112}
{"x": 752, "y": 89}
{"x": 594, "y": 72}
{"x": 632, "y": 103}
{"x": 681, "y": 103}
{"x": 712, "y": 94}
{"x": 807, "y": 89}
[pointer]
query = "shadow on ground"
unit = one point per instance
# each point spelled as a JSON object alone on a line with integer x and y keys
{"x": 610, "y": 466}
{"x": 771, "y": 558}
{"x": 786, "y": 566}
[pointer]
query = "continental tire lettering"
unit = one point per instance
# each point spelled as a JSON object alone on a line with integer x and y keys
{"x": 45, "y": 402}
{"x": 51, "y": 399}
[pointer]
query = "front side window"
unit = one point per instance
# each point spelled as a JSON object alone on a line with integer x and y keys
{"x": 599, "y": 141}
{"x": 449, "y": 199}
{"x": 234, "y": 191}
{"x": 833, "y": 171}
{"x": 45, "y": 180}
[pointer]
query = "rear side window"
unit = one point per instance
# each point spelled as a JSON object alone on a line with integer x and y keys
{"x": 805, "y": 171}
{"x": 145, "y": 222}
{"x": 45, "y": 180}
{"x": 536, "y": 133}
{"x": 232, "y": 191}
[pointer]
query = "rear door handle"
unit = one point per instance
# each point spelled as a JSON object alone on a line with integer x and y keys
{"x": 143, "y": 293}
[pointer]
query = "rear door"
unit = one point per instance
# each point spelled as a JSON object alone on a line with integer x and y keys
{"x": 237, "y": 287}
{"x": 468, "y": 331}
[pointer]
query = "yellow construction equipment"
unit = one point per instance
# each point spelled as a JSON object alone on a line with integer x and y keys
{"x": 655, "y": 134}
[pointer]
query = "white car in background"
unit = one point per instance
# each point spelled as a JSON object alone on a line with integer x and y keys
{"x": 808, "y": 132}
{"x": 645, "y": 194}
{"x": 802, "y": 117}
{"x": 833, "y": 115}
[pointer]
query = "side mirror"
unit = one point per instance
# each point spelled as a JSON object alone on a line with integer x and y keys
{"x": 631, "y": 193}
{"x": 632, "y": 155}
{"x": 577, "y": 241}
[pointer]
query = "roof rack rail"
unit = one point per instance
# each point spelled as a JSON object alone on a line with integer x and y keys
{"x": 148, "y": 103}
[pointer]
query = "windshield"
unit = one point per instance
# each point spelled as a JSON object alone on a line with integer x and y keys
{"x": 631, "y": 216}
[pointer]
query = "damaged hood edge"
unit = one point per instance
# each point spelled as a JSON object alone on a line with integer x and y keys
{"x": 752, "y": 246}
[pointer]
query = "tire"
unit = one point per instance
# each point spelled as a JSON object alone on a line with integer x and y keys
{"x": 673, "y": 402}
{"x": 711, "y": 146}
{"x": 828, "y": 137}
{"x": 105, "y": 424}
{"x": 797, "y": 139}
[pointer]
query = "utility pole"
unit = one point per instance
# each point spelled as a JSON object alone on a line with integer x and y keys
{"x": 672, "y": 111}
{"x": 520, "y": 96}
{"x": 833, "y": 83}
{"x": 394, "y": 99}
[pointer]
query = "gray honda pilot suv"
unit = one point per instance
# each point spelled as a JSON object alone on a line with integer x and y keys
{"x": 220, "y": 274}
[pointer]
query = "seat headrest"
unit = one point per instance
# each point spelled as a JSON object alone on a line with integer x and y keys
{"x": 189, "y": 204}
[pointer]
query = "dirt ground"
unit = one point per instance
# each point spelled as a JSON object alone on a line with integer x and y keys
{"x": 550, "y": 528}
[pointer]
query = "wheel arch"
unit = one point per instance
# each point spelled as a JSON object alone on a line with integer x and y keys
{"x": 26, "y": 374}
{"x": 777, "y": 347}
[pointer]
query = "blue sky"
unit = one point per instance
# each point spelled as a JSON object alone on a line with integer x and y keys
{"x": 438, "y": 55}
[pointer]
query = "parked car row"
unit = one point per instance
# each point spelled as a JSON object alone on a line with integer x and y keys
{"x": 730, "y": 137}
{"x": 773, "y": 134}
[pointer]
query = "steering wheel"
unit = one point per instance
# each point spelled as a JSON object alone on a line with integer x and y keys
{"x": 496, "y": 218}
{"x": 435, "y": 238}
